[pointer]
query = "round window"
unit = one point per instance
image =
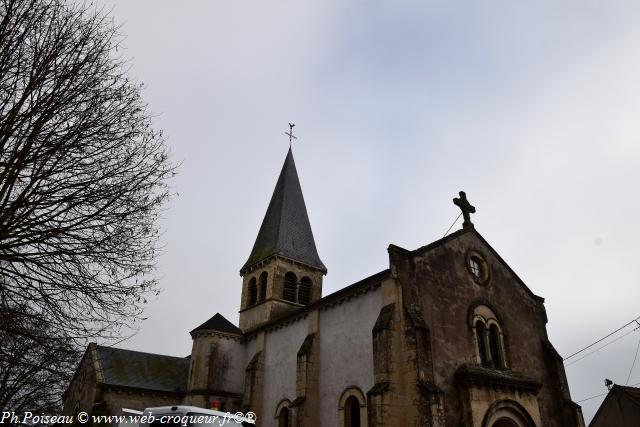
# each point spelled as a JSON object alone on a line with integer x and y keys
{"x": 477, "y": 267}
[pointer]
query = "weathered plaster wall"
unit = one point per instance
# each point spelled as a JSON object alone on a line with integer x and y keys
{"x": 232, "y": 350}
{"x": 281, "y": 347}
{"x": 346, "y": 350}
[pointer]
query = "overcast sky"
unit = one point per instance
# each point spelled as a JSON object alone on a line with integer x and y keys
{"x": 531, "y": 109}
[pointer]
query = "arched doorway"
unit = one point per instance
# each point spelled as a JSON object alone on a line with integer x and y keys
{"x": 504, "y": 422}
{"x": 507, "y": 413}
{"x": 352, "y": 412}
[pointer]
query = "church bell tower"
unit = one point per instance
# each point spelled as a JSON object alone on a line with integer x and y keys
{"x": 284, "y": 271}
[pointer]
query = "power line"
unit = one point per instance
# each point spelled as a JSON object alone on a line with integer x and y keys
{"x": 598, "y": 395}
{"x": 601, "y": 339}
{"x": 634, "y": 362}
{"x": 600, "y": 348}
{"x": 454, "y": 223}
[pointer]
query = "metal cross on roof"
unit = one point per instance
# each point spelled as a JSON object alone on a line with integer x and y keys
{"x": 466, "y": 209}
{"x": 290, "y": 133}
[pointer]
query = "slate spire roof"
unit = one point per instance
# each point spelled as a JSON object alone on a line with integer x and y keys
{"x": 285, "y": 229}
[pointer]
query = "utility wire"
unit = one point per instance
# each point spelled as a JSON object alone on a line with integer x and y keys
{"x": 454, "y": 223}
{"x": 602, "y": 394}
{"x": 634, "y": 362}
{"x": 601, "y": 339}
{"x": 601, "y": 347}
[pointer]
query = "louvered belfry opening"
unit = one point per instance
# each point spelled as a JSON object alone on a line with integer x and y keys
{"x": 253, "y": 292}
{"x": 289, "y": 290}
{"x": 304, "y": 291}
{"x": 263, "y": 286}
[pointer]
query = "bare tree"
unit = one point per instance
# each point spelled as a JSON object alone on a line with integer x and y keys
{"x": 83, "y": 177}
{"x": 34, "y": 373}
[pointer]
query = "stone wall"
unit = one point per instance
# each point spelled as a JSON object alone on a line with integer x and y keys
{"x": 438, "y": 281}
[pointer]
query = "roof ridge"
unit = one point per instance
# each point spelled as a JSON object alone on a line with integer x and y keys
{"x": 106, "y": 347}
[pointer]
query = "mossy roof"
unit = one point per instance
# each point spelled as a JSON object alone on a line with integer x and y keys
{"x": 135, "y": 369}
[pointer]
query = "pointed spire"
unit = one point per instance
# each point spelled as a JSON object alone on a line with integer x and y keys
{"x": 285, "y": 229}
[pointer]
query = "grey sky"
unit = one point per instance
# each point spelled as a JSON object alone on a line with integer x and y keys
{"x": 531, "y": 109}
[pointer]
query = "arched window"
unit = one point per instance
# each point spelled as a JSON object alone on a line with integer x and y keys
{"x": 283, "y": 418}
{"x": 352, "y": 412}
{"x": 289, "y": 290}
{"x": 494, "y": 346}
{"x": 263, "y": 286}
{"x": 304, "y": 291}
{"x": 482, "y": 348}
{"x": 253, "y": 291}
{"x": 488, "y": 337}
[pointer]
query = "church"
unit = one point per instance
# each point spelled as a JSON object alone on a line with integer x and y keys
{"x": 444, "y": 335}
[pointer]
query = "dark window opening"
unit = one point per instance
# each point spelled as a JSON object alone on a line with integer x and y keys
{"x": 304, "y": 291}
{"x": 289, "y": 290}
{"x": 494, "y": 346}
{"x": 253, "y": 291}
{"x": 283, "y": 419}
{"x": 263, "y": 286}
{"x": 482, "y": 349}
{"x": 352, "y": 412}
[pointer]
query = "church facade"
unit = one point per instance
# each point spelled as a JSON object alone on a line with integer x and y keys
{"x": 446, "y": 335}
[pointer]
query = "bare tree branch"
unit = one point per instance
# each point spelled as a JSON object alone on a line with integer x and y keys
{"x": 83, "y": 179}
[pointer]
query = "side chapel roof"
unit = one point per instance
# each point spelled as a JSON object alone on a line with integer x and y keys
{"x": 135, "y": 369}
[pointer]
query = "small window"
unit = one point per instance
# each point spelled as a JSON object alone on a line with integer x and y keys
{"x": 253, "y": 291}
{"x": 494, "y": 346}
{"x": 304, "y": 291}
{"x": 289, "y": 289}
{"x": 489, "y": 340}
{"x": 283, "y": 418}
{"x": 477, "y": 267}
{"x": 474, "y": 266}
{"x": 352, "y": 412}
{"x": 482, "y": 347}
{"x": 263, "y": 286}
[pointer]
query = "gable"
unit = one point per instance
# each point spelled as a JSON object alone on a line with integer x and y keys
{"x": 469, "y": 240}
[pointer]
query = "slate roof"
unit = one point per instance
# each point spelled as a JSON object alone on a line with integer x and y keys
{"x": 621, "y": 407}
{"x": 285, "y": 229}
{"x": 219, "y": 323}
{"x": 135, "y": 369}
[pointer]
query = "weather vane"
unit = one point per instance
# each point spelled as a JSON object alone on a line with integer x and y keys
{"x": 290, "y": 133}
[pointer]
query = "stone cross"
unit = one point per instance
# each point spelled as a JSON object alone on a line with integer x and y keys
{"x": 290, "y": 133}
{"x": 466, "y": 209}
